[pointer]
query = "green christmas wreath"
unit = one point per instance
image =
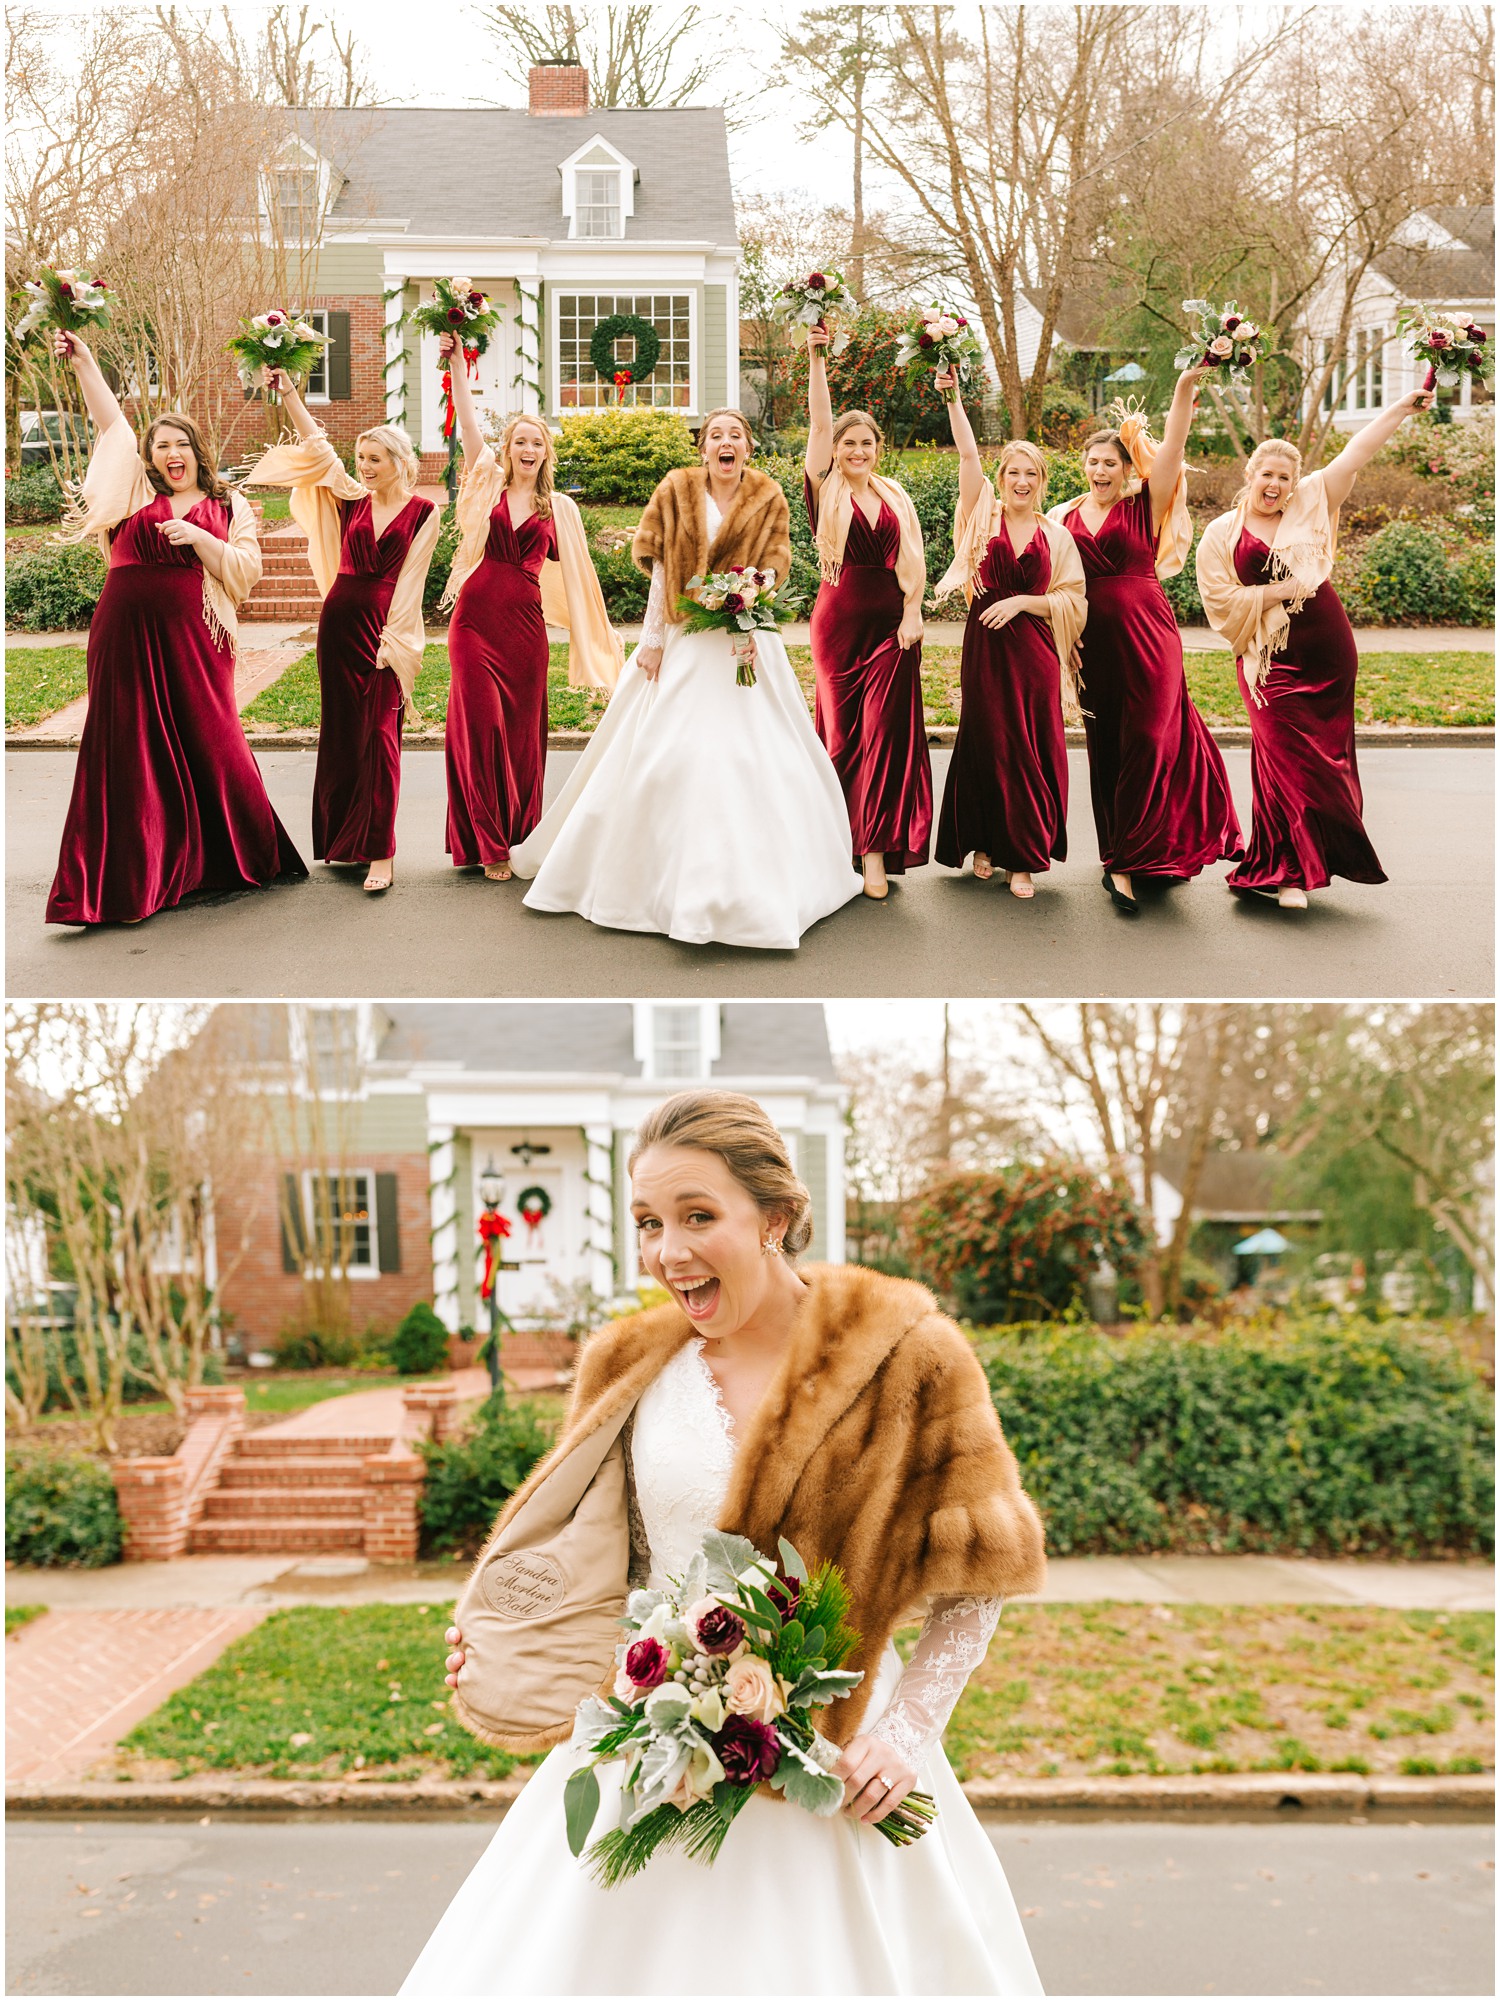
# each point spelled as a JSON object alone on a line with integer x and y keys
{"x": 602, "y": 348}
{"x": 533, "y": 1206}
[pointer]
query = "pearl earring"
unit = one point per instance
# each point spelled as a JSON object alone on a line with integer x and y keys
{"x": 770, "y": 1248}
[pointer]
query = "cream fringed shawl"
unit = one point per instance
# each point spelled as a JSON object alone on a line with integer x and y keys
{"x": 835, "y": 500}
{"x": 1305, "y": 547}
{"x": 1174, "y": 538}
{"x": 115, "y": 486}
{"x": 318, "y": 482}
{"x": 571, "y": 596}
{"x": 1067, "y": 600}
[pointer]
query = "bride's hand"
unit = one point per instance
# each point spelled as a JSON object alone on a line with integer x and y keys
{"x": 744, "y": 648}
{"x": 875, "y": 1779}
{"x": 648, "y": 659}
{"x": 457, "y": 1658}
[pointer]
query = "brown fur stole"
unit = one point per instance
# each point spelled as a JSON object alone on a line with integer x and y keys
{"x": 755, "y": 533}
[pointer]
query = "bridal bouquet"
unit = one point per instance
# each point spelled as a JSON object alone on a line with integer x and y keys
{"x": 277, "y": 339}
{"x": 938, "y": 339}
{"x": 821, "y": 299}
{"x": 1224, "y": 338}
{"x": 717, "y": 1683}
{"x": 70, "y": 302}
{"x": 1451, "y": 344}
{"x": 456, "y": 308}
{"x": 737, "y": 601}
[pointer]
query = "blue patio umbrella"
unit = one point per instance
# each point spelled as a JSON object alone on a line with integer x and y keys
{"x": 1264, "y": 1244}
{"x": 1130, "y": 372}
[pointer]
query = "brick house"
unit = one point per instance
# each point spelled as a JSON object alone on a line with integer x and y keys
{"x": 547, "y": 1095}
{"x": 563, "y": 215}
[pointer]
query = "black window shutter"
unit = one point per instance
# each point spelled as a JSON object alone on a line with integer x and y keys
{"x": 387, "y": 1223}
{"x": 293, "y": 1229}
{"x": 340, "y": 368}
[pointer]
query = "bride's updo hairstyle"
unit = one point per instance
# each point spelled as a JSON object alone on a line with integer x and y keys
{"x": 728, "y": 411}
{"x": 741, "y": 1134}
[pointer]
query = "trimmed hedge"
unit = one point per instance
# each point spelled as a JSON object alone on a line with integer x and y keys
{"x": 620, "y": 455}
{"x": 60, "y": 1511}
{"x": 1408, "y": 577}
{"x": 33, "y": 496}
{"x": 420, "y": 1344}
{"x": 469, "y": 1479}
{"x": 1316, "y": 1440}
{"x": 55, "y": 591}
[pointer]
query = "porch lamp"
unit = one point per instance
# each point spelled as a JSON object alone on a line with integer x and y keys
{"x": 493, "y": 1230}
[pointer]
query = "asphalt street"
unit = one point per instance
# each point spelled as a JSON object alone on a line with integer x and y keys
{"x": 321, "y": 1906}
{"x": 1428, "y": 932}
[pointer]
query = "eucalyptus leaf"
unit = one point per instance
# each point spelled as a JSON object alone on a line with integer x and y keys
{"x": 816, "y": 1791}
{"x": 581, "y": 1804}
{"x": 791, "y": 1562}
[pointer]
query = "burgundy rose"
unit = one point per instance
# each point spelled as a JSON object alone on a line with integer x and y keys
{"x": 1437, "y": 338}
{"x": 925, "y": 340}
{"x": 646, "y": 1663}
{"x": 720, "y": 1631}
{"x": 1478, "y": 334}
{"x": 963, "y": 323}
{"x": 747, "y": 1750}
{"x": 733, "y": 601}
{"x": 785, "y": 1595}
{"x": 476, "y": 300}
{"x": 66, "y": 290}
{"x": 456, "y": 316}
{"x": 1229, "y": 322}
{"x": 1244, "y": 357}
{"x": 817, "y": 281}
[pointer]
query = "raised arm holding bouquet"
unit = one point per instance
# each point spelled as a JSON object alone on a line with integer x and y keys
{"x": 1265, "y": 577}
{"x": 940, "y": 339}
{"x": 167, "y": 798}
{"x": 867, "y": 632}
{"x": 777, "y": 1468}
{"x": 66, "y": 303}
{"x": 522, "y": 563}
{"x": 277, "y": 344}
{"x": 1006, "y": 797}
{"x": 820, "y": 302}
{"x": 1453, "y": 345}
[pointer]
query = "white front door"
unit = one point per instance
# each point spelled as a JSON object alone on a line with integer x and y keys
{"x": 494, "y": 392}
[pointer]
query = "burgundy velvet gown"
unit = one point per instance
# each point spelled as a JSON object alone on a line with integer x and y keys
{"x": 358, "y": 778}
{"x": 1162, "y": 805}
{"x": 497, "y": 701}
{"x": 1305, "y": 825}
{"x": 167, "y": 797}
{"x": 1007, "y": 790}
{"x": 868, "y": 705}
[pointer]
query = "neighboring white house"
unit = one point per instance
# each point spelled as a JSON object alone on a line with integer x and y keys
{"x": 1446, "y": 259}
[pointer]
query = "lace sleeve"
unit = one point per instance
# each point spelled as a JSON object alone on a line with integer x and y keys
{"x": 952, "y": 1643}
{"x": 654, "y": 627}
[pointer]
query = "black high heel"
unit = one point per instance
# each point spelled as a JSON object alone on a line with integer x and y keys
{"x": 1126, "y": 905}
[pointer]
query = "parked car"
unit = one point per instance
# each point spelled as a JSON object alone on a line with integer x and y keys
{"x": 40, "y": 426}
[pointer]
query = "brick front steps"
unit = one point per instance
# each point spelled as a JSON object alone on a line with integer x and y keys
{"x": 303, "y": 1494}
{"x": 286, "y": 590}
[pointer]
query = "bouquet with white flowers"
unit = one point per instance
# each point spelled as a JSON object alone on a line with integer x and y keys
{"x": 821, "y": 300}
{"x": 456, "y": 308}
{"x": 737, "y": 601}
{"x": 1453, "y": 345}
{"x": 1225, "y": 338}
{"x": 718, "y": 1680}
{"x": 69, "y": 302}
{"x": 277, "y": 338}
{"x": 939, "y": 339}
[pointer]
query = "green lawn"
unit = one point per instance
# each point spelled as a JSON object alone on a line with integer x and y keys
{"x": 17, "y": 1616}
{"x": 288, "y": 1393}
{"x": 292, "y": 702}
{"x": 1065, "y": 1689}
{"x": 40, "y": 680}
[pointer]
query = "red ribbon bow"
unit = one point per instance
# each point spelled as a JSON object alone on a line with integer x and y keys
{"x": 493, "y": 1228}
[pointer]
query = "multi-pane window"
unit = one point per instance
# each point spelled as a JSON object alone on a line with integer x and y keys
{"x": 317, "y": 376}
{"x": 331, "y": 1051}
{"x": 1359, "y": 383}
{"x": 297, "y": 203}
{"x": 597, "y": 202}
{"x": 340, "y": 1221}
{"x": 1377, "y": 368}
{"x": 677, "y": 1041}
{"x": 669, "y": 385}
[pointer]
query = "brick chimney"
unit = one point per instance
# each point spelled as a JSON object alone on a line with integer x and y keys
{"x": 558, "y": 90}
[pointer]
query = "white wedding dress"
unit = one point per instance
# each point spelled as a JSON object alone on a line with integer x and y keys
{"x": 794, "y": 1904}
{"x": 700, "y": 809}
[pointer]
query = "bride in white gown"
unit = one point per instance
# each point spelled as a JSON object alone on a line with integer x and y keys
{"x": 701, "y": 809}
{"x": 795, "y": 1904}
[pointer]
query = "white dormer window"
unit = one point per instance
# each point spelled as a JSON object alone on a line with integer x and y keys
{"x": 297, "y": 189}
{"x": 598, "y": 190}
{"x": 677, "y": 1042}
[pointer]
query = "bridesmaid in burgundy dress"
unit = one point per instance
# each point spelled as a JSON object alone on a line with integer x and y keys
{"x": 1264, "y": 577}
{"x": 369, "y": 544}
{"x": 1006, "y": 797}
{"x": 1162, "y": 805}
{"x": 167, "y": 798}
{"x": 867, "y": 634}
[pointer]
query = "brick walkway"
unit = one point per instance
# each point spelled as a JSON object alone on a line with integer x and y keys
{"x": 77, "y": 1681}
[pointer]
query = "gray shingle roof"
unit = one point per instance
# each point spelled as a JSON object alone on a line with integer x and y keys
{"x": 495, "y": 172}
{"x": 1467, "y": 273}
{"x": 757, "y": 1038}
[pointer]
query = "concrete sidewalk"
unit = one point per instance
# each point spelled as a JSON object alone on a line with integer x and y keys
{"x": 216, "y": 1582}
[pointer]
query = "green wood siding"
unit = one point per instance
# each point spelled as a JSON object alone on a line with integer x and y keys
{"x": 715, "y": 337}
{"x": 396, "y": 1124}
{"x": 812, "y": 1154}
{"x": 349, "y": 267}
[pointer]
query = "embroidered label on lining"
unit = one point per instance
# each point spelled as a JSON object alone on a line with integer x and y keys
{"x": 524, "y": 1585}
